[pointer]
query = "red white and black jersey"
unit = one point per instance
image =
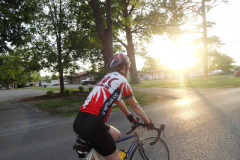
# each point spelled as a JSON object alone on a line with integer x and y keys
{"x": 108, "y": 90}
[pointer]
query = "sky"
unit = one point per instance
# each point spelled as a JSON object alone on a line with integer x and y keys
{"x": 227, "y": 28}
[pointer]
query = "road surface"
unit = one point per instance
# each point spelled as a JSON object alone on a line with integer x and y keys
{"x": 201, "y": 124}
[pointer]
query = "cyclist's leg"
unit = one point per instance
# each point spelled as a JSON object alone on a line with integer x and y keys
{"x": 93, "y": 129}
{"x": 113, "y": 156}
{"x": 116, "y": 134}
{"x": 98, "y": 155}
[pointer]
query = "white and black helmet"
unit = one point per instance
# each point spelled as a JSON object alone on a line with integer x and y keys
{"x": 117, "y": 62}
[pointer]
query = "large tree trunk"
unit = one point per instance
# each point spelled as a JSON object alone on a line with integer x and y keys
{"x": 130, "y": 47}
{"x": 107, "y": 48}
{"x": 131, "y": 55}
{"x": 60, "y": 72}
{"x": 105, "y": 33}
{"x": 60, "y": 67}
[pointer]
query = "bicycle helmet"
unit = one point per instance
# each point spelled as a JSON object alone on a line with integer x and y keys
{"x": 117, "y": 62}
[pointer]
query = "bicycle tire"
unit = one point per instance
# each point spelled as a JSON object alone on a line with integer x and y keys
{"x": 158, "y": 151}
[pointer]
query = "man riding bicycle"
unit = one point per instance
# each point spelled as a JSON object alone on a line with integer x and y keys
{"x": 90, "y": 123}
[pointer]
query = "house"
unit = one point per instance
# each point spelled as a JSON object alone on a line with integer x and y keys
{"x": 76, "y": 78}
{"x": 173, "y": 73}
{"x": 236, "y": 69}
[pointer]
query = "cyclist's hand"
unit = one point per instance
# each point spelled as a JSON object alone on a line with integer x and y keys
{"x": 131, "y": 119}
{"x": 149, "y": 126}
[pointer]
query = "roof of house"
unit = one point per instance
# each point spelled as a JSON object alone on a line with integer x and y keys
{"x": 236, "y": 69}
{"x": 76, "y": 74}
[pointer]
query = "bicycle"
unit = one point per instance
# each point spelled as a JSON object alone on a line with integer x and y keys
{"x": 151, "y": 148}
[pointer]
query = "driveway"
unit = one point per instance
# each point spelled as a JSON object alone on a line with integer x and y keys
{"x": 12, "y": 94}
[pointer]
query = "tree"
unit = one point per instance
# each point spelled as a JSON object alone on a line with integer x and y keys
{"x": 104, "y": 31}
{"x": 11, "y": 69}
{"x": 140, "y": 20}
{"x": 213, "y": 43}
{"x": 221, "y": 61}
{"x": 95, "y": 19}
{"x": 206, "y": 6}
{"x": 54, "y": 77}
{"x": 151, "y": 64}
{"x": 47, "y": 79}
{"x": 36, "y": 77}
{"x": 19, "y": 67}
{"x": 15, "y": 15}
{"x": 30, "y": 61}
{"x": 55, "y": 26}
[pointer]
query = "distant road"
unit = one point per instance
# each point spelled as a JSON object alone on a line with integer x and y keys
{"x": 19, "y": 93}
{"x": 23, "y": 93}
{"x": 73, "y": 86}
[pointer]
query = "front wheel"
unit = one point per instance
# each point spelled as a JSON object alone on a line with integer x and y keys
{"x": 158, "y": 151}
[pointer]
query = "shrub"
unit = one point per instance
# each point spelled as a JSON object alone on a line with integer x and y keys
{"x": 50, "y": 93}
{"x": 81, "y": 88}
{"x": 90, "y": 89}
{"x": 67, "y": 92}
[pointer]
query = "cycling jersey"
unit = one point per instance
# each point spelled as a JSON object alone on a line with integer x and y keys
{"x": 107, "y": 92}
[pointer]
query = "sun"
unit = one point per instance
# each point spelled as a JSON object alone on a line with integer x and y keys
{"x": 176, "y": 55}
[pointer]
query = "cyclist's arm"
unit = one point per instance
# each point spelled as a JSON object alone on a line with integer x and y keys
{"x": 137, "y": 109}
{"x": 123, "y": 107}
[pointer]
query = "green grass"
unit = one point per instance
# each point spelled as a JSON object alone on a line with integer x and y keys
{"x": 65, "y": 107}
{"x": 70, "y": 107}
{"x": 225, "y": 81}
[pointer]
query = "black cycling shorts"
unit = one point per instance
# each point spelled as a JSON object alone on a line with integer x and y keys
{"x": 93, "y": 129}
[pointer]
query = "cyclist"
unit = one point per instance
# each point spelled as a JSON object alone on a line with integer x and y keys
{"x": 90, "y": 123}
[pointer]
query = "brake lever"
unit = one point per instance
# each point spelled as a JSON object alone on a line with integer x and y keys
{"x": 134, "y": 126}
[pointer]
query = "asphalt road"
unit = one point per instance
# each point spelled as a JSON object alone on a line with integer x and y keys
{"x": 201, "y": 124}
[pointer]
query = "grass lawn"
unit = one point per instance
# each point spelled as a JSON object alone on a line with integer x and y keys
{"x": 223, "y": 81}
{"x": 70, "y": 107}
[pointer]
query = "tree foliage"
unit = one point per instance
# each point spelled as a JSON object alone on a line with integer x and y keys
{"x": 220, "y": 61}
{"x": 151, "y": 64}
{"x": 139, "y": 20}
{"x": 214, "y": 44}
{"x": 104, "y": 26}
{"x": 56, "y": 39}
{"x": 10, "y": 69}
{"x": 202, "y": 10}
{"x": 15, "y": 15}
{"x": 19, "y": 67}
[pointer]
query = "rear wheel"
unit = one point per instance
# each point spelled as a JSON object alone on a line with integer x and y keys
{"x": 158, "y": 151}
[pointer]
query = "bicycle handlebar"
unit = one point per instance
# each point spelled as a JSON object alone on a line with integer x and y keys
{"x": 139, "y": 123}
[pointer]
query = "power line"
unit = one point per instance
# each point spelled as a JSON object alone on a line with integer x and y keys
{"x": 232, "y": 42}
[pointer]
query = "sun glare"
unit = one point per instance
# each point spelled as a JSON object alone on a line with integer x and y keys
{"x": 176, "y": 55}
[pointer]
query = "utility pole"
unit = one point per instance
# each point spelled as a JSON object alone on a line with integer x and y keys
{"x": 205, "y": 56}
{"x": 204, "y": 39}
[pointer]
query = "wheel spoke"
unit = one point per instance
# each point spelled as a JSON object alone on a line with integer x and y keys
{"x": 158, "y": 151}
